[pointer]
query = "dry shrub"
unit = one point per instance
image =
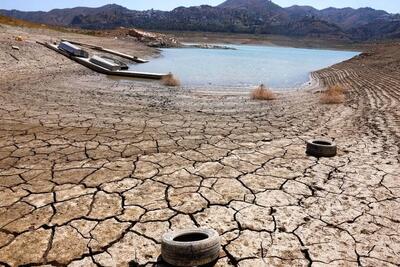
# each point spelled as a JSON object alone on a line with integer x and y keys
{"x": 262, "y": 93}
{"x": 333, "y": 95}
{"x": 170, "y": 80}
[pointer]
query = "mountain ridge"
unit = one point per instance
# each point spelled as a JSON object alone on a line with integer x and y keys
{"x": 259, "y": 4}
{"x": 235, "y": 16}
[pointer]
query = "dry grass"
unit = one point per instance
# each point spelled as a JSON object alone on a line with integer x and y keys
{"x": 19, "y": 23}
{"x": 32, "y": 25}
{"x": 262, "y": 93}
{"x": 170, "y": 80}
{"x": 333, "y": 95}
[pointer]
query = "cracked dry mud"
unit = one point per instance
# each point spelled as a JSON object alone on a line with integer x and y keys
{"x": 94, "y": 170}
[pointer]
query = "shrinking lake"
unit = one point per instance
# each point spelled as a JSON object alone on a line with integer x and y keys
{"x": 248, "y": 65}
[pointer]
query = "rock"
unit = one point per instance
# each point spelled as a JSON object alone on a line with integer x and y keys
{"x": 210, "y": 46}
{"x": 154, "y": 39}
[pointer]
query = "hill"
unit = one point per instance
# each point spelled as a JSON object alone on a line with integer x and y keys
{"x": 235, "y": 16}
{"x": 259, "y": 5}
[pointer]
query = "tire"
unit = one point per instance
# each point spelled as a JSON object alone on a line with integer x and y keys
{"x": 190, "y": 247}
{"x": 321, "y": 148}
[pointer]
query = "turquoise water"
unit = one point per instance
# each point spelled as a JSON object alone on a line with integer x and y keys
{"x": 277, "y": 67}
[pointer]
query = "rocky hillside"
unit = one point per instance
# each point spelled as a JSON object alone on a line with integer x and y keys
{"x": 236, "y": 16}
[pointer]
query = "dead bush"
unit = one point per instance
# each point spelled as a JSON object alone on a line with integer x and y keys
{"x": 333, "y": 95}
{"x": 170, "y": 80}
{"x": 262, "y": 93}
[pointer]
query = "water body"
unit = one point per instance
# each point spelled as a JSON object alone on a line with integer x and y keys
{"x": 248, "y": 65}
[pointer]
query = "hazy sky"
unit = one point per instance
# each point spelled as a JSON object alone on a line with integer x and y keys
{"x": 392, "y": 6}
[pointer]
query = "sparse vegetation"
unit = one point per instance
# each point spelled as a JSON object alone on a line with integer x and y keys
{"x": 262, "y": 93}
{"x": 32, "y": 25}
{"x": 333, "y": 95}
{"x": 19, "y": 23}
{"x": 170, "y": 80}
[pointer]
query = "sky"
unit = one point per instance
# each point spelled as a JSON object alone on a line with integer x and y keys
{"x": 392, "y": 6}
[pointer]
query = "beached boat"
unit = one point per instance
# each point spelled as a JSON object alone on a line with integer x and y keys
{"x": 102, "y": 49}
{"x": 73, "y": 50}
{"x": 102, "y": 69}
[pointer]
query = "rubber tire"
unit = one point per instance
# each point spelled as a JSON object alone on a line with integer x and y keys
{"x": 190, "y": 253}
{"x": 326, "y": 149}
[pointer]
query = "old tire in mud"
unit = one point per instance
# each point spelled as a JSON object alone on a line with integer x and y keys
{"x": 190, "y": 247}
{"x": 321, "y": 148}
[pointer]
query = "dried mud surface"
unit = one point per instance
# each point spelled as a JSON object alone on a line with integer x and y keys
{"x": 94, "y": 170}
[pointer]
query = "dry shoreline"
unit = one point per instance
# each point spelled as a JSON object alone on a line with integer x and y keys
{"x": 94, "y": 170}
{"x": 313, "y": 85}
{"x": 268, "y": 40}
